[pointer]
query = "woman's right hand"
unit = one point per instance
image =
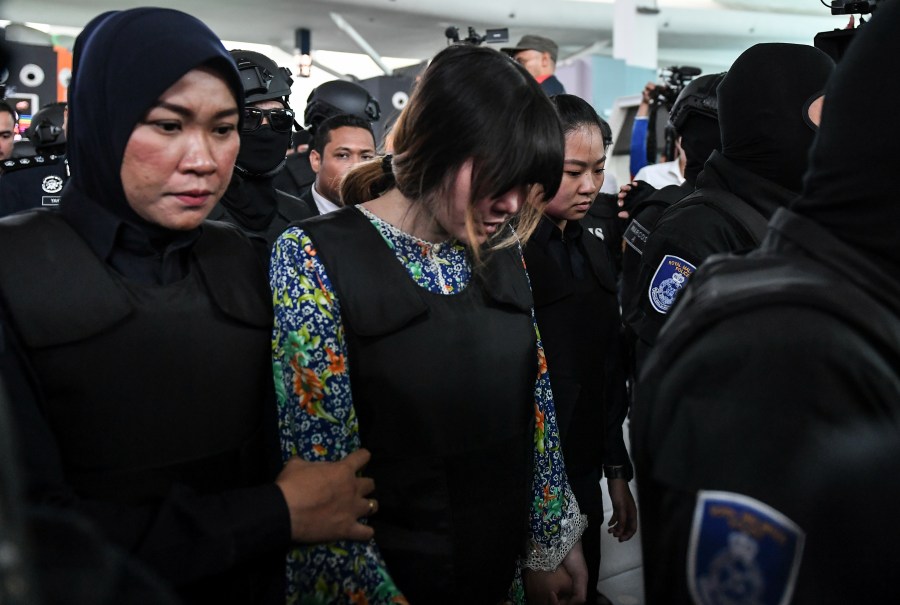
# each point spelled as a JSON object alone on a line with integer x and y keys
{"x": 327, "y": 499}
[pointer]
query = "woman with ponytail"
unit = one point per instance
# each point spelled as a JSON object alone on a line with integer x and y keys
{"x": 404, "y": 324}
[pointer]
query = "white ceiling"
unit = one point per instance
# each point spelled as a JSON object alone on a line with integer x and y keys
{"x": 702, "y": 32}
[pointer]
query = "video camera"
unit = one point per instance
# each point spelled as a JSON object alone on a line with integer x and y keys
{"x": 835, "y": 43}
{"x": 853, "y": 7}
{"x": 474, "y": 39}
{"x": 674, "y": 80}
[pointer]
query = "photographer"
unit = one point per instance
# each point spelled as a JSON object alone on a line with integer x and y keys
{"x": 658, "y": 175}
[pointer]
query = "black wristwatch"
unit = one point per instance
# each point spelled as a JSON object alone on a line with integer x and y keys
{"x": 616, "y": 471}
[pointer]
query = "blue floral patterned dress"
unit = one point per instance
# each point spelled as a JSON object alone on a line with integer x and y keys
{"x": 317, "y": 419}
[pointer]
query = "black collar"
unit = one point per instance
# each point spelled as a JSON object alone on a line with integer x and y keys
{"x": 547, "y": 230}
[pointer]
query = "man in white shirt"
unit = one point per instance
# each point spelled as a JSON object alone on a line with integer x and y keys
{"x": 341, "y": 142}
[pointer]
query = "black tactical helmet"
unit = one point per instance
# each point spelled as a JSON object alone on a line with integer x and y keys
{"x": 262, "y": 78}
{"x": 46, "y": 129}
{"x": 698, "y": 97}
{"x": 339, "y": 97}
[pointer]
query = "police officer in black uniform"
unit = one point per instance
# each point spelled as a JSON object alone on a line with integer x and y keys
{"x": 326, "y": 100}
{"x": 773, "y": 354}
{"x": 768, "y": 106}
{"x": 252, "y": 202}
{"x": 37, "y": 180}
{"x": 695, "y": 121}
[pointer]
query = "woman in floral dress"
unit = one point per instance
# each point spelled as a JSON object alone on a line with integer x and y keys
{"x": 404, "y": 324}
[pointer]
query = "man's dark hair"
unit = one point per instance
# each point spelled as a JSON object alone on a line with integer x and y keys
{"x": 323, "y": 131}
{"x": 6, "y": 107}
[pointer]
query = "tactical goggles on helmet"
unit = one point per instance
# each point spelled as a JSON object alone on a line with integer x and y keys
{"x": 280, "y": 119}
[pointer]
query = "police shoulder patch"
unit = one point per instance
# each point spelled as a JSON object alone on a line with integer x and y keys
{"x": 670, "y": 277}
{"x": 742, "y": 552}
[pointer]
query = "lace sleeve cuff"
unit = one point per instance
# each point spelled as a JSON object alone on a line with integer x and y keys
{"x": 571, "y": 526}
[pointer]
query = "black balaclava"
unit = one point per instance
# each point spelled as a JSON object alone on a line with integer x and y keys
{"x": 762, "y": 109}
{"x": 700, "y": 136}
{"x": 263, "y": 151}
{"x": 123, "y": 62}
{"x": 851, "y": 187}
{"x": 251, "y": 198}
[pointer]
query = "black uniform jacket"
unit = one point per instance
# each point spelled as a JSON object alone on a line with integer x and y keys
{"x": 642, "y": 221}
{"x": 691, "y": 233}
{"x": 307, "y": 198}
{"x": 296, "y": 176}
{"x": 32, "y": 182}
{"x": 763, "y": 356}
{"x": 579, "y": 324}
{"x": 288, "y": 209}
{"x": 602, "y": 221}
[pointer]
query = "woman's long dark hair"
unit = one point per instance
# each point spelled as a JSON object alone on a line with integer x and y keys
{"x": 473, "y": 103}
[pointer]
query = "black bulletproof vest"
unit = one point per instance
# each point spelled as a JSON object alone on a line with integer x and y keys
{"x": 443, "y": 387}
{"x": 143, "y": 386}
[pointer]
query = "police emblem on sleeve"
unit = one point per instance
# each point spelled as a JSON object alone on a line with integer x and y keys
{"x": 742, "y": 552}
{"x": 52, "y": 184}
{"x": 670, "y": 277}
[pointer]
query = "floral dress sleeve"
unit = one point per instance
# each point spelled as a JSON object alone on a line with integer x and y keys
{"x": 317, "y": 420}
{"x": 556, "y": 520}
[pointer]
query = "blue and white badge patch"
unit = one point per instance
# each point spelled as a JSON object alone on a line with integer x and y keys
{"x": 742, "y": 552}
{"x": 670, "y": 277}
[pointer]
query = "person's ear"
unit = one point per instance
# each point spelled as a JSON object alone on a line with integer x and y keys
{"x": 315, "y": 160}
{"x": 814, "y": 111}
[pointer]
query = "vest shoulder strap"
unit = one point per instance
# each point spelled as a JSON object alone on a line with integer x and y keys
{"x": 233, "y": 273}
{"x": 55, "y": 287}
{"x": 727, "y": 286}
{"x": 376, "y": 295}
{"x": 730, "y": 206}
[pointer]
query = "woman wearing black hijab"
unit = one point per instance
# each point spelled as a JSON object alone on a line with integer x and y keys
{"x": 785, "y": 350}
{"x": 143, "y": 331}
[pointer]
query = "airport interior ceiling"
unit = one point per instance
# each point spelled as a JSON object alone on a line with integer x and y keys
{"x": 706, "y": 32}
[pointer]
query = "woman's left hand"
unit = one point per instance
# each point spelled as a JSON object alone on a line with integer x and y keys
{"x": 623, "y": 523}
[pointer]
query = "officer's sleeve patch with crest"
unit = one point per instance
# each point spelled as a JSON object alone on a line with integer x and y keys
{"x": 671, "y": 276}
{"x": 742, "y": 552}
